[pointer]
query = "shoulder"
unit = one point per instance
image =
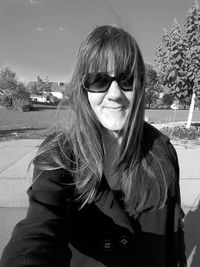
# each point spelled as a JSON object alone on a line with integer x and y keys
{"x": 55, "y": 151}
{"x": 159, "y": 144}
{"x": 156, "y": 140}
{"x": 53, "y": 162}
{"x": 152, "y": 134}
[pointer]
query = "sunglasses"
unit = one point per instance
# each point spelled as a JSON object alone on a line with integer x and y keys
{"x": 100, "y": 82}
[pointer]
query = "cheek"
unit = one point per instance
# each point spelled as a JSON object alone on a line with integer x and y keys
{"x": 95, "y": 100}
{"x": 130, "y": 97}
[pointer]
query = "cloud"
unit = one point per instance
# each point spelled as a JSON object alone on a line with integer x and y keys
{"x": 26, "y": 2}
{"x": 33, "y": 2}
{"x": 40, "y": 29}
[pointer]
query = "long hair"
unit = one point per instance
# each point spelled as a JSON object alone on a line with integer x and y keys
{"x": 83, "y": 138}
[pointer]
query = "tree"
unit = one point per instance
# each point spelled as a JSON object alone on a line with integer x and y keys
{"x": 12, "y": 91}
{"x": 47, "y": 85}
{"x": 152, "y": 88}
{"x": 8, "y": 80}
{"x": 178, "y": 60}
{"x": 41, "y": 86}
{"x": 171, "y": 63}
{"x": 176, "y": 70}
{"x": 162, "y": 56}
{"x": 192, "y": 37}
{"x": 167, "y": 100}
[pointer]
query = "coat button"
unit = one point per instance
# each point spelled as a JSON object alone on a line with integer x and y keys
{"x": 124, "y": 241}
{"x": 108, "y": 245}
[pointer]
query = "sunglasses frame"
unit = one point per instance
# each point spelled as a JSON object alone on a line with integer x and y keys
{"x": 110, "y": 80}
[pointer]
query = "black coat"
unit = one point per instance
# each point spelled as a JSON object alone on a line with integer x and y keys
{"x": 56, "y": 233}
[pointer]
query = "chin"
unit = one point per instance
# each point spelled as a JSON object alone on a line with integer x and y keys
{"x": 114, "y": 128}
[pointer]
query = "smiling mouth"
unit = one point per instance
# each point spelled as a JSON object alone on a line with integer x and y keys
{"x": 117, "y": 107}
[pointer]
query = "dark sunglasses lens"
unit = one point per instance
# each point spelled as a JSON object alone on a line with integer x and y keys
{"x": 100, "y": 82}
{"x": 126, "y": 83}
{"x": 97, "y": 82}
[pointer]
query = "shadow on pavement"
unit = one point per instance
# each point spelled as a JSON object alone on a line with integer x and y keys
{"x": 192, "y": 237}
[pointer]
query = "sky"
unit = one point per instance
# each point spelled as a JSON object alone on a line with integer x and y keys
{"x": 41, "y": 37}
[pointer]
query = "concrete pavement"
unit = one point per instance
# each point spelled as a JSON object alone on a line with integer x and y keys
{"x": 14, "y": 178}
{"x": 14, "y": 181}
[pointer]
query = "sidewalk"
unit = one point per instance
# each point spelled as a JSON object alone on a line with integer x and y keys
{"x": 14, "y": 181}
{"x": 16, "y": 155}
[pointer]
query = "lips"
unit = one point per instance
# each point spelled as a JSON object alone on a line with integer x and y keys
{"x": 114, "y": 107}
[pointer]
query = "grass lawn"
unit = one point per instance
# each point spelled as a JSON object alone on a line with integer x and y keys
{"x": 39, "y": 122}
{"x": 34, "y": 124}
{"x": 166, "y": 116}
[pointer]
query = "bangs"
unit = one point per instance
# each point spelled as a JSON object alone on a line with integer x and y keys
{"x": 116, "y": 54}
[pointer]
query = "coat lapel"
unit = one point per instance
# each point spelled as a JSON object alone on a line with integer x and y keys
{"x": 108, "y": 204}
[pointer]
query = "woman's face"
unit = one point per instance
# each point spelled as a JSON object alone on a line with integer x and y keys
{"x": 112, "y": 107}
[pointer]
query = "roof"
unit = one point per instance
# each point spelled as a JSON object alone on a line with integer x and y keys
{"x": 30, "y": 85}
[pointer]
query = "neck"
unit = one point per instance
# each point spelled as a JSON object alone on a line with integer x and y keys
{"x": 111, "y": 137}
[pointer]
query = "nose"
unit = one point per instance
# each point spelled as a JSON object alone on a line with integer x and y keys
{"x": 114, "y": 90}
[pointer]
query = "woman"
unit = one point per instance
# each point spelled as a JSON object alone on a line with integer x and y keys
{"x": 105, "y": 189}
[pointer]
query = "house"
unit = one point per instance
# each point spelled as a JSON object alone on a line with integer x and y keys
{"x": 38, "y": 98}
{"x": 57, "y": 90}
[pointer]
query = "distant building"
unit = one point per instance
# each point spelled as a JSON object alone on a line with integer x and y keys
{"x": 57, "y": 90}
{"x": 38, "y": 98}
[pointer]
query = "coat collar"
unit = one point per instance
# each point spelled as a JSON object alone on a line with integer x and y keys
{"x": 106, "y": 201}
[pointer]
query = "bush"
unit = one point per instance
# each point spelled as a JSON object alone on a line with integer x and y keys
{"x": 19, "y": 100}
{"x": 21, "y": 104}
{"x": 167, "y": 100}
{"x": 6, "y": 100}
{"x": 182, "y": 133}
